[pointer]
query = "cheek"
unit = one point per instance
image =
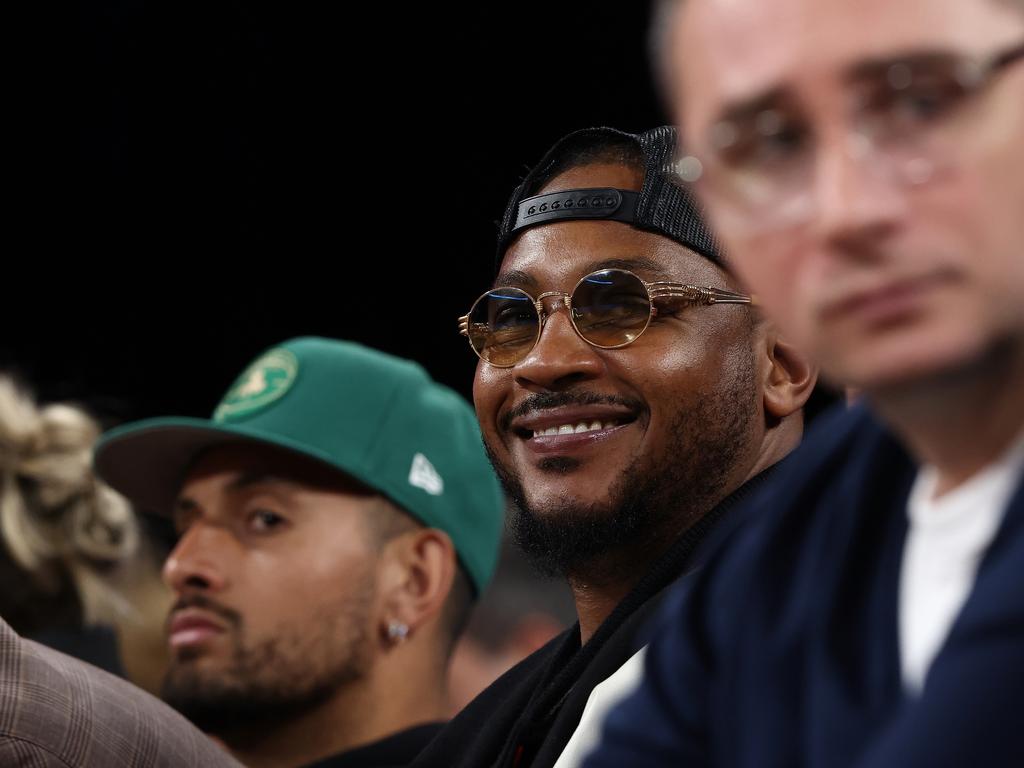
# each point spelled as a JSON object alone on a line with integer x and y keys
{"x": 974, "y": 224}
{"x": 683, "y": 372}
{"x": 290, "y": 587}
{"x": 991, "y": 212}
{"x": 981, "y": 213}
{"x": 490, "y": 388}
{"x": 999, "y": 159}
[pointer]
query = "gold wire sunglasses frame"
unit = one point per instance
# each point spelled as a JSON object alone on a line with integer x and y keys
{"x": 604, "y": 325}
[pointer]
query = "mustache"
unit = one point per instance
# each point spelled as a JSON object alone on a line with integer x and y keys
{"x": 547, "y": 400}
{"x": 234, "y": 618}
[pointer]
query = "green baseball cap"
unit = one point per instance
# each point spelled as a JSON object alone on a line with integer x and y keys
{"x": 377, "y": 418}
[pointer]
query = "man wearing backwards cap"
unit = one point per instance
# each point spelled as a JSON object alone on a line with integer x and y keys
{"x": 629, "y": 396}
{"x": 337, "y": 518}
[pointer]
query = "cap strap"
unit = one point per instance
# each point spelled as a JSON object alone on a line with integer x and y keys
{"x": 595, "y": 203}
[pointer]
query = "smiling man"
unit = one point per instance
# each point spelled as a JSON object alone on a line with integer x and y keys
{"x": 629, "y": 395}
{"x": 337, "y": 517}
{"x": 864, "y": 162}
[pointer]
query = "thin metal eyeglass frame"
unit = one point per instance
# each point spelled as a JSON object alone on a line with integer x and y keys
{"x": 659, "y": 289}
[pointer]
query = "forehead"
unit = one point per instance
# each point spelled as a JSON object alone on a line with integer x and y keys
{"x": 559, "y": 254}
{"x": 722, "y": 51}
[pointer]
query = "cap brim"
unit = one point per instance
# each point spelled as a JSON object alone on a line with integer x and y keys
{"x": 146, "y": 461}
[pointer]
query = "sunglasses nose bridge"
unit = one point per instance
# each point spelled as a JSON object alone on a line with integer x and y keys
{"x": 564, "y": 299}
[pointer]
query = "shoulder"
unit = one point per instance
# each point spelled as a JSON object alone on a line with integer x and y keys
{"x": 832, "y": 440}
{"x": 78, "y": 713}
{"x": 520, "y": 680}
{"x": 19, "y": 752}
{"x": 476, "y": 735}
{"x": 794, "y": 525}
{"x": 842, "y": 459}
{"x": 996, "y": 605}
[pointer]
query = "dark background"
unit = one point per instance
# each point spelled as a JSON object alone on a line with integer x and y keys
{"x": 196, "y": 181}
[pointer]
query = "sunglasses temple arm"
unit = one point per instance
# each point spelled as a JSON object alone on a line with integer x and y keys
{"x": 725, "y": 297}
{"x": 701, "y": 294}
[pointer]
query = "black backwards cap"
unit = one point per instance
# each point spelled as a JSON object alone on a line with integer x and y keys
{"x": 662, "y": 205}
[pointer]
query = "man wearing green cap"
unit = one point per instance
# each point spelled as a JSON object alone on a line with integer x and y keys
{"x": 337, "y": 518}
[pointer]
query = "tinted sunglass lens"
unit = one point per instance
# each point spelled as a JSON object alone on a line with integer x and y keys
{"x": 503, "y": 326}
{"x": 611, "y": 307}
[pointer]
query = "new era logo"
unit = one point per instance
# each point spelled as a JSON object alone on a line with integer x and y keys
{"x": 423, "y": 475}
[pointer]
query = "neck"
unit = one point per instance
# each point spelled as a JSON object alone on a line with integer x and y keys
{"x": 596, "y": 598}
{"x": 605, "y": 581}
{"x": 387, "y": 702}
{"x": 959, "y": 422}
{"x": 777, "y": 442}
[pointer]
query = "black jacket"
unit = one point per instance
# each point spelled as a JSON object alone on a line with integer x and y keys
{"x": 394, "y": 751}
{"x": 526, "y": 717}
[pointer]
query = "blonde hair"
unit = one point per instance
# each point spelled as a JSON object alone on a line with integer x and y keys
{"x": 56, "y": 518}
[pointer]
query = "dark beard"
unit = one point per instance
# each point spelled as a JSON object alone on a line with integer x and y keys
{"x": 274, "y": 681}
{"x": 649, "y": 504}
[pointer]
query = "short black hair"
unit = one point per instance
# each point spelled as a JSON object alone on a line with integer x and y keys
{"x": 588, "y": 149}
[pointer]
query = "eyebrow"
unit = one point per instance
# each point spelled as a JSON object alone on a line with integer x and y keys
{"x": 632, "y": 264}
{"x": 240, "y": 483}
{"x": 513, "y": 277}
{"x": 750, "y": 107}
{"x": 248, "y": 479}
{"x": 517, "y": 277}
{"x": 871, "y": 69}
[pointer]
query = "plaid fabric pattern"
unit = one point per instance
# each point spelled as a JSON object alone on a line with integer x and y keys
{"x": 58, "y": 711}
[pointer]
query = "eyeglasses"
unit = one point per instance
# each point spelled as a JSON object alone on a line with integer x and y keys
{"x": 914, "y": 121}
{"x": 609, "y": 309}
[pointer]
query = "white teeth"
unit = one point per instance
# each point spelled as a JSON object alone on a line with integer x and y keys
{"x": 572, "y": 429}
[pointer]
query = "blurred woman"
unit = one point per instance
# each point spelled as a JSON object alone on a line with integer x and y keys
{"x": 77, "y": 571}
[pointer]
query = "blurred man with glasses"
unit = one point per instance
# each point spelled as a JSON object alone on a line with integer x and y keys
{"x": 864, "y": 164}
{"x": 629, "y": 396}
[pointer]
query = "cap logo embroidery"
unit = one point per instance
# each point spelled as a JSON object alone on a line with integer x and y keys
{"x": 423, "y": 475}
{"x": 263, "y": 382}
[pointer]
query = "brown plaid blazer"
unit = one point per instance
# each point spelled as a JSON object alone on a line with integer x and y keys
{"x": 58, "y": 711}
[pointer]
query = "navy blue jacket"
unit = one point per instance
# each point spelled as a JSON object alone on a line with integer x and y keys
{"x": 784, "y": 650}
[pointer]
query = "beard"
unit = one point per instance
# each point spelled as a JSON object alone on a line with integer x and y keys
{"x": 652, "y": 500}
{"x": 270, "y": 681}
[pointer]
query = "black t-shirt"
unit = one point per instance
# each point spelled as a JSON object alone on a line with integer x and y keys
{"x": 394, "y": 751}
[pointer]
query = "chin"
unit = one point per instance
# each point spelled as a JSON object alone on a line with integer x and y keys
{"x": 566, "y": 503}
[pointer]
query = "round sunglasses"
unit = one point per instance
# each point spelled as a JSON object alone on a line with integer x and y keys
{"x": 609, "y": 309}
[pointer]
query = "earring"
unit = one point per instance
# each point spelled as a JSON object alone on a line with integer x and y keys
{"x": 397, "y": 631}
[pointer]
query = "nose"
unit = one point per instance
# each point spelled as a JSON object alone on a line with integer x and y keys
{"x": 859, "y": 200}
{"x": 198, "y": 560}
{"x": 560, "y": 358}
